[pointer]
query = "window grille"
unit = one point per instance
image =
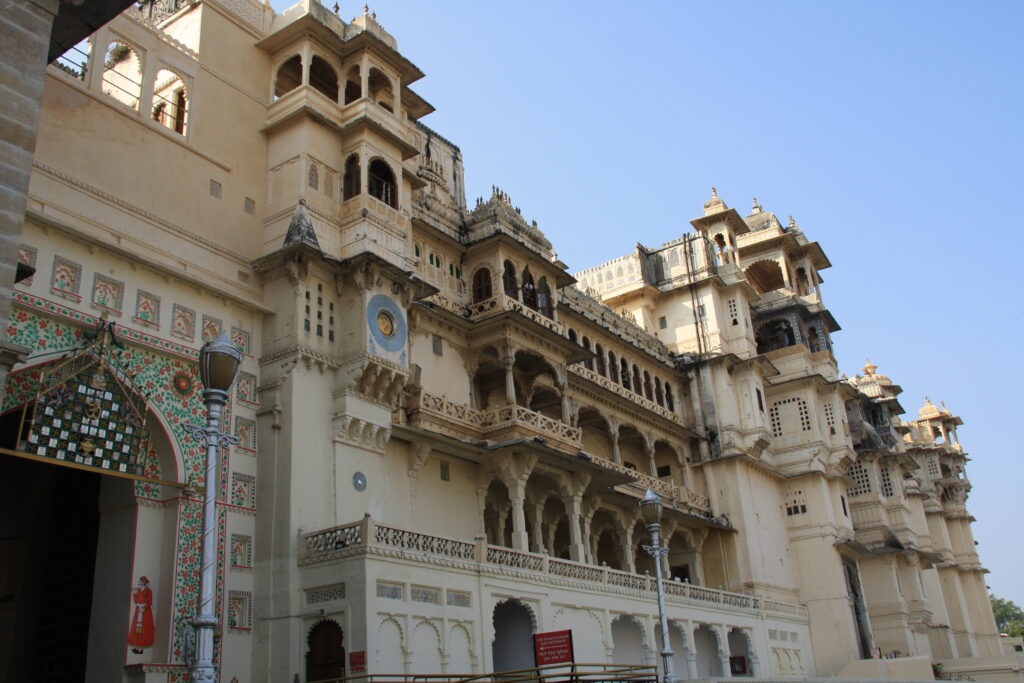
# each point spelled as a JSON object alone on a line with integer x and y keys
{"x": 886, "y": 483}
{"x": 861, "y": 480}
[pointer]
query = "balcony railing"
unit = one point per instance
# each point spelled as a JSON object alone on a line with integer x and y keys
{"x": 620, "y": 390}
{"x": 438, "y": 413}
{"x": 482, "y": 310}
{"x": 339, "y": 542}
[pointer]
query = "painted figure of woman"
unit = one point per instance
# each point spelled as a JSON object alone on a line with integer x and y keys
{"x": 140, "y": 632}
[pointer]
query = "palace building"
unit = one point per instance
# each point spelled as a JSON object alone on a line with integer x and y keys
{"x": 443, "y": 433}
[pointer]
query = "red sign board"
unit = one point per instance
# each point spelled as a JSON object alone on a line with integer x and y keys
{"x": 553, "y": 647}
{"x": 357, "y": 662}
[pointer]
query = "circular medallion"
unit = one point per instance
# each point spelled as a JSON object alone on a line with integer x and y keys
{"x": 182, "y": 383}
{"x": 359, "y": 481}
{"x": 386, "y": 323}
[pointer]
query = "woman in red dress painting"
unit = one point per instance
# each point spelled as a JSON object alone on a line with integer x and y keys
{"x": 140, "y": 632}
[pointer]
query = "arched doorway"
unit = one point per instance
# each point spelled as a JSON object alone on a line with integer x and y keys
{"x": 512, "y": 648}
{"x": 627, "y": 641}
{"x": 325, "y": 654}
{"x": 705, "y": 644}
{"x": 80, "y": 559}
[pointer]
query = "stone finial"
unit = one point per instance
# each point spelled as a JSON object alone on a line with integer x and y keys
{"x": 714, "y": 204}
{"x": 792, "y": 223}
{"x": 869, "y": 367}
{"x": 366, "y": 9}
{"x": 336, "y": 8}
{"x": 300, "y": 229}
{"x": 757, "y": 207}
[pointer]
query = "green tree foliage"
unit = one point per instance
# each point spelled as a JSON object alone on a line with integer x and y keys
{"x": 1009, "y": 617}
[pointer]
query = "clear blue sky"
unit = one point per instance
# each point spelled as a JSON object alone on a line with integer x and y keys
{"x": 890, "y": 130}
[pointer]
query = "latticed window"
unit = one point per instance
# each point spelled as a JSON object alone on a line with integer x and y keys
{"x": 734, "y": 312}
{"x": 796, "y": 502}
{"x": 933, "y": 467}
{"x": 830, "y": 416}
{"x": 886, "y": 483}
{"x": 861, "y": 480}
{"x": 777, "y": 419}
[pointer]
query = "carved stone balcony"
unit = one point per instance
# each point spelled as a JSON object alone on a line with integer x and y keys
{"x": 366, "y": 538}
{"x": 439, "y": 414}
{"x": 630, "y": 396}
{"x": 487, "y": 308}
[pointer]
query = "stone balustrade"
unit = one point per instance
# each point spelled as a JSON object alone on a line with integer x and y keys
{"x": 440, "y": 414}
{"x": 340, "y": 541}
{"x": 625, "y": 393}
{"x": 481, "y": 310}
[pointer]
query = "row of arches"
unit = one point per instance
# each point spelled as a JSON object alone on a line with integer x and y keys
{"x": 766, "y": 275}
{"x": 699, "y": 649}
{"x": 521, "y": 286}
{"x": 548, "y": 516}
{"x": 618, "y": 369}
{"x": 527, "y": 379}
{"x": 780, "y": 333}
{"x": 323, "y": 77}
{"x": 124, "y": 77}
{"x": 380, "y": 180}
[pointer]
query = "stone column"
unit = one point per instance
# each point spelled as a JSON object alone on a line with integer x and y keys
{"x": 577, "y": 552}
{"x": 26, "y": 27}
{"x": 510, "y": 383}
{"x": 517, "y": 492}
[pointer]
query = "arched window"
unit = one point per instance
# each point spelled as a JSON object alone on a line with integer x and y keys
{"x": 382, "y": 183}
{"x": 350, "y": 186}
{"x": 314, "y": 176}
{"x": 601, "y": 363}
{"x": 613, "y": 367}
{"x": 659, "y": 397}
{"x": 670, "y": 402}
{"x": 289, "y": 76}
{"x": 170, "y": 103}
{"x": 508, "y": 280}
{"x": 803, "y": 284}
{"x": 380, "y": 89}
{"x": 624, "y": 373}
{"x": 482, "y": 285}
{"x": 589, "y": 362}
{"x": 434, "y": 260}
{"x": 638, "y": 386}
{"x": 323, "y": 78}
{"x": 325, "y": 658}
{"x": 573, "y": 337}
{"x": 544, "y": 302}
{"x": 122, "y": 74}
{"x": 529, "y": 290}
{"x": 353, "y": 85}
{"x": 648, "y": 390}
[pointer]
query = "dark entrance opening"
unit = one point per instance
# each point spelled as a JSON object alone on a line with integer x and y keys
{"x": 325, "y": 659}
{"x": 49, "y": 528}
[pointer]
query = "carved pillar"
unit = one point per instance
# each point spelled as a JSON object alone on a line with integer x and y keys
{"x": 723, "y": 650}
{"x": 613, "y": 431}
{"x": 630, "y": 558}
{"x": 577, "y": 552}
{"x": 652, "y": 466}
{"x": 563, "y": 387}
{"x": 517, "y": 492}
{"x": 510, "y": 382}
{"x": 537, "y": 544}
